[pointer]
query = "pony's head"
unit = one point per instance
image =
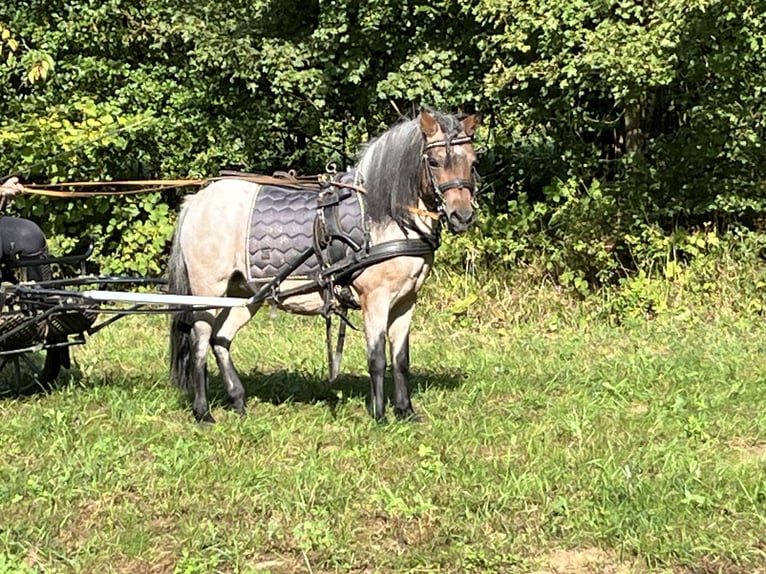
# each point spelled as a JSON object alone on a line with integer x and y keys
{"x": 430, "y": 159}
{"x": 449, "y": 160}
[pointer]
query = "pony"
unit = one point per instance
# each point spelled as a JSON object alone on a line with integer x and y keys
{"x": 415, "y": 177}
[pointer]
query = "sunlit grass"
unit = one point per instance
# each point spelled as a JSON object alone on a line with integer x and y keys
{"x": 637, "y": 447}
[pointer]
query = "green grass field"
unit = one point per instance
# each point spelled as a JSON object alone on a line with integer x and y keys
{"x": 548, "y": 446}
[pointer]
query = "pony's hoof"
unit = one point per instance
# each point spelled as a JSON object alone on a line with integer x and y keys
{"x": 238, "y": 408}
{"x": 379, "y": 418}
{"x": 206, "y": 418}
{"x": 379, "y": 414}
{"x": 408, "y": 416}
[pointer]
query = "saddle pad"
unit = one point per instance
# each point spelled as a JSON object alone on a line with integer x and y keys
{"x": 281, "y": 229}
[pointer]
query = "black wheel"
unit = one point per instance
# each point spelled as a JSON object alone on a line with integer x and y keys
{"x": 20, "y": 372}
{"x": 31, "y": 370}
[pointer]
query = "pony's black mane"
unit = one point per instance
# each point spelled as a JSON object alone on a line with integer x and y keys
{"x": 390, "y": 167}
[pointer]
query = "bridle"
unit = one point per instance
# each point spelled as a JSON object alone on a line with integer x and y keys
{"x": 440, "y": 189}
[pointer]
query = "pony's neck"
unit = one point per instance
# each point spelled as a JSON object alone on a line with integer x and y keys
{"x": 390, "y": 169}
{"x": 418, "y": 222}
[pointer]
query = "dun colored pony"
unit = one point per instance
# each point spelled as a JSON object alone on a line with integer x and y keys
{"x": 415, "y": 175}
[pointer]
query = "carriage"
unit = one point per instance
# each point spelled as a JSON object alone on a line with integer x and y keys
{"x": 46, "y": 318}
{"x": 361, "y": 239}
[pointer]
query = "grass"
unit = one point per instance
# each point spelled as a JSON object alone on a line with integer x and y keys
{"x": 551, "y": 444}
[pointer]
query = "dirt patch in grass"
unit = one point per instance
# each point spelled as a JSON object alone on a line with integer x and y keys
{"x": 638, "y": 409}
{"x": 718, "y": 565}
{"x": 94, "y": 515}
{"x": 395, "y": 535}
{"x": 163, "y": 565}
{"x": 33, "y": 558}
{"x": 587, "y": 561}
{"x": 277, "y": 564}
{"x": 749, "y": 450}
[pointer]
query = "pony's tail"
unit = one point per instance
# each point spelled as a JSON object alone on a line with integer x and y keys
{"x": 181, "y": 341}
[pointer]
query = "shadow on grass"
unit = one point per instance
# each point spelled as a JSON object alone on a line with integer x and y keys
{"x": 23, "y": 382}
{"x": 275, "y": 387}
{"x": 283, "y": 386}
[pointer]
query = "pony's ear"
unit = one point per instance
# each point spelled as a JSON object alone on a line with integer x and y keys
{"x": 470, "y": 123}
{"x": 428, "y": 124}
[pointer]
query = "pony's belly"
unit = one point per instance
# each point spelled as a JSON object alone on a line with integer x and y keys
{"x": 303, "y": 304}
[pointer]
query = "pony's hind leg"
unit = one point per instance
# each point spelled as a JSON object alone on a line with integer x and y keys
{"x": 228, "y": 323}
{"x": 201, "y": 331}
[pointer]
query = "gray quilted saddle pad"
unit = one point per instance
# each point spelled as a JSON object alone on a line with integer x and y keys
{"x": 281, "y": 229}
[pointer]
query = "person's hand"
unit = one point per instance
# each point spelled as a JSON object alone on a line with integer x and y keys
{"x": 11, "y": 187}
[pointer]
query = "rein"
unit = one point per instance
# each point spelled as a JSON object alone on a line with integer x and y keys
{"x": 150, "y": 185}
{"x": 55, "y": 189}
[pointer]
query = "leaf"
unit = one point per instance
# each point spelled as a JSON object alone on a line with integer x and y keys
{"x": 461, "y": 306}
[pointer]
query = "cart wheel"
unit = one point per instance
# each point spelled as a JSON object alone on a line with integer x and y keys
{"x": 20, "y": 372}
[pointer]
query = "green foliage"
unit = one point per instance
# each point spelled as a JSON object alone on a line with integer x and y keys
{"x": 134, "y": 90}
{"x": 571, "y": 236}
{"x": 605, "y": 124}
{"x": 687, "y": 272}
{"x": 660, "y": 105}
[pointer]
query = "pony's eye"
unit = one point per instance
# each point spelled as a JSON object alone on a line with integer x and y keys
{"x": 433, "y": 162}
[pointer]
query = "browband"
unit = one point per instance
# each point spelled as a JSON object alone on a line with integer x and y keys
{"x": 444, "y": 143}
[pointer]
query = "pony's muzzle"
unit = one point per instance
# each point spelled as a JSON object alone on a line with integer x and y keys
{"x": 458, "y": 220}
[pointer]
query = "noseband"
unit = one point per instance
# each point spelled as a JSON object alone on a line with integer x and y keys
{"x": 440, "y": 189}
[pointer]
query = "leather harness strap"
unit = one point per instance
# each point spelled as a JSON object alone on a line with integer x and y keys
{"x": 149, "y": 185}
{"x": 55, "y": 190}
{"x": 412, "y": 247}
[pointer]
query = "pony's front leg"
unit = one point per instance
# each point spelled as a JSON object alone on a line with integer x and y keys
{"x": 201, "y": 340}
{"x": 228, "y": 324}
{"x": 399, "y": 339}
{"x": 375, "y": 312}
